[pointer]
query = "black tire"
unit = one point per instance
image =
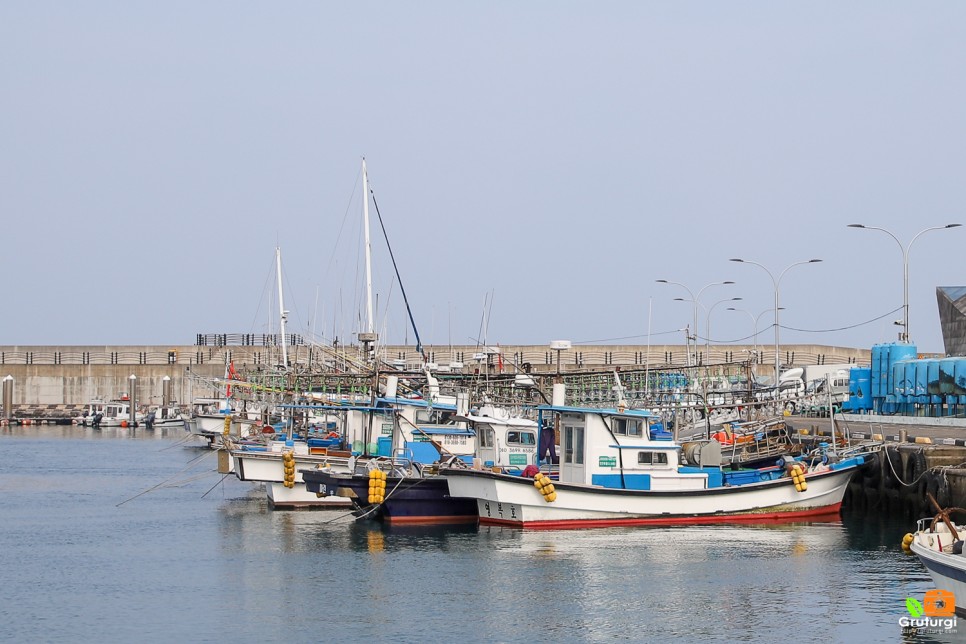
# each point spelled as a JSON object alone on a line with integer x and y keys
{"x": 892, "y": 467}
{"x": 942, "y": 490}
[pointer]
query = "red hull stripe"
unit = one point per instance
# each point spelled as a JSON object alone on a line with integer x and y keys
{"x": 825, "y": 512}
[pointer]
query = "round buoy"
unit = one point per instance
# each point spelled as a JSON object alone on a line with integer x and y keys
{"x": 123, "y": 423}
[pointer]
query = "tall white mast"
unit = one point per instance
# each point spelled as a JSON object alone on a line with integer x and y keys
{"x": 368, "y": 336}
{"x": 283, "y": 314}
{"x": 365, "y": 220}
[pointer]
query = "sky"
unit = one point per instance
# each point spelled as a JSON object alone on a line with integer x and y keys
{"x": 537, "y": 167}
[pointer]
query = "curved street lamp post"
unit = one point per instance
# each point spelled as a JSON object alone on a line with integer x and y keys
{"x": 905, "y": 268}
{"x": 694, "y": 302}
{"x": 777, "y": 283}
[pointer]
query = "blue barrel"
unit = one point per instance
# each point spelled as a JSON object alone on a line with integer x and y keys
{"x": 959, "y": 381}
{"x": 902, "y": 387}
{"x": 899, "y": 351}
{"x": 921, "y": 381}
{"x": 878, "y": 390}
{"x": 932, "y": 381}
{"x": 947, "y": 376}
{"x": 860, "y": 389}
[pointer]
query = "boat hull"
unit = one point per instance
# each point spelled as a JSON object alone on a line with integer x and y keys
{"x": 416, "y": 500}
{"x": 948, "y": 572}
{"x": 514, "y": 501}
{"x": 298, "y": 497}
{"x": 268, "y": 468}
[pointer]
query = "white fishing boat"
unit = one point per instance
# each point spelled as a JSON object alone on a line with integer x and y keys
{"x": 117, "y": 413}
{"x": 165, "y": 416}
{"x": 90, "y": 412}
{"x": 938, "y": 542}
{"x": 277, "y": 465}
{"x": 413, "y": 430}
{"x": 208, "y": 416}
{"x": 614, "y": 472}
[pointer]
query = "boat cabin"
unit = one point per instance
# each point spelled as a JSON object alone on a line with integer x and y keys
{"x": 617, "y": 449}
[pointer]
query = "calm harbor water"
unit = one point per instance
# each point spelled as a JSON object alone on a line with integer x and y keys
{"x": 112, "y": 537}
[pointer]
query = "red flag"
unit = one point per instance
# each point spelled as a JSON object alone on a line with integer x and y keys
{"x": 231, "y": 375}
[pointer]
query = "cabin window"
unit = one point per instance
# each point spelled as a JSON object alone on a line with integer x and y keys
{"x": 652, "y": 458}
{"x": 434, "y": 417}
{"x": 485, "y": 435}
{"x": 574, "y": 445}
{"x": 521, "y": 438}
{"x": 627, "y": 426}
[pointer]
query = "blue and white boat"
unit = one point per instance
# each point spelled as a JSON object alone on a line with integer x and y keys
{"x": 939, "y": 546}
{"x": 614, "y": 471}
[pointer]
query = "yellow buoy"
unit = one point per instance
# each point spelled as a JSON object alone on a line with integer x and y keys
{"x": 551, "y": 497}
{"x": 907, "y": 539}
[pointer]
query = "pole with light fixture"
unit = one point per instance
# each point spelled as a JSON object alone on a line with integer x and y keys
{"x": 707, "y": 322}
{"x": 694, "y": 301}
{"x": 905, "y": 268}
{"x": 777, "y": 283}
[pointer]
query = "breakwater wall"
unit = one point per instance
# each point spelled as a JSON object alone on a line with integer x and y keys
{"x": 73, "y": 375}
{"x": 896, "y": 481}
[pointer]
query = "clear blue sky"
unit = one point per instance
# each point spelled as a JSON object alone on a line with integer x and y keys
{"x": 538, "y": 166}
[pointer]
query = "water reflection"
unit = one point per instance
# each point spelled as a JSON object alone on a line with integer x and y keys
{"x": 219, "y": 564}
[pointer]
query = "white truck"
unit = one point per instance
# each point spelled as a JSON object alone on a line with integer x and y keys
{"x": 817, "y": 380}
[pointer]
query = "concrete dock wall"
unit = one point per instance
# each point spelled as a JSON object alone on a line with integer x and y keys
{"x": 73, "y": 375}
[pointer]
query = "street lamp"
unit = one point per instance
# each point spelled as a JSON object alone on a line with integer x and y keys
{"x": 707, "y": 322}
{"x": 905, "y": 268}
{"x": 776, "y": 282}
{"x": 754, "y": 321}
{"x": 694, "y": 301}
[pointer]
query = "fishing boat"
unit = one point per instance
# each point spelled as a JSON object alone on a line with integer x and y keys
{"x": 614, "y": 472}
{"x": 414, "y": 430}
{"x": 938, "y": 542}
{"x": 165, "y": 416}
{"x": 109, "y": 413}
{"x": 398, "y": 490}
{"x": 117, "y": 413}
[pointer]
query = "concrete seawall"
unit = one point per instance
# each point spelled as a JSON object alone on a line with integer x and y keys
{"x": 73, "y": 375}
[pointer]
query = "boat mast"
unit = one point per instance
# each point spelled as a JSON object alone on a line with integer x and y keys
{"x": 283, "y": 314}
{"x": 365, "y": 223}
{"x": 368, "y": 336}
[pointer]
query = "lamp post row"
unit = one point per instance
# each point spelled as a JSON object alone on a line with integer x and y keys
{"x": 776, "y": 282}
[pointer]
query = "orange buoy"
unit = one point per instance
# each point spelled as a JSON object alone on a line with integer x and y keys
{"x": 123, "y": 423}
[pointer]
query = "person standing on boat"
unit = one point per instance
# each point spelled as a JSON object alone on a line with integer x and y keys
{"x": 548, "y": 440}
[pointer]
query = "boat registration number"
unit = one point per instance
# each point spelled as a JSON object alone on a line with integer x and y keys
{"x": 495, "y": 510}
